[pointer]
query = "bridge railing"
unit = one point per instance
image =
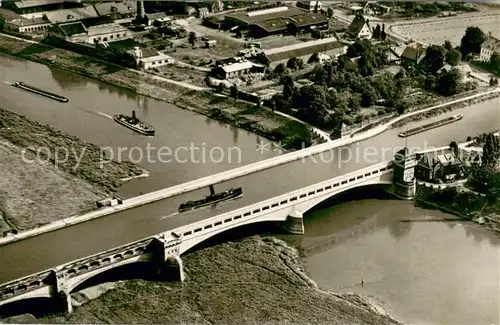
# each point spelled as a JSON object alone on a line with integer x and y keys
{"x": 287, "y": 199}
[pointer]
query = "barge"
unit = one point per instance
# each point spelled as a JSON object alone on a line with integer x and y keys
{"x": 233, "y": 193}
{"x": 39, "y": 91}
{"x": 430, "y": 126}
{"x": 133, "y": 123}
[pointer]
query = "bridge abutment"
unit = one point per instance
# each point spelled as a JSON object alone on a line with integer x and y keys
{"x": 294, "y": 223}
{"x": 168, "y": 262}
{"x": 404, "y": 184}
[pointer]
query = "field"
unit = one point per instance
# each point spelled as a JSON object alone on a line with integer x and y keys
{"x": 436, "y": 31}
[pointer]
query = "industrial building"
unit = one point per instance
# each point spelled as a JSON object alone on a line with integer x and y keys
{"x": 327, "y": 46}
{"x": 278, "y": 20}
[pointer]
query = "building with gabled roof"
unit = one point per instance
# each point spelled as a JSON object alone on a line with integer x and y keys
{"x": 328, "y": 46}
{"x": 310, "y": 5}
{"x": 412, "y": 55}
{"x": 148, "y": 58}
{"x": 488, "y": 47}
{"x": 359, "y": 28}
{"x": 70, "y": 15}
{"x": 116, "y": 10}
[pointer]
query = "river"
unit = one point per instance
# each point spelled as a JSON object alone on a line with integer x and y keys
{"x": 88, "y": 116}
{"x": 422, "y": 272}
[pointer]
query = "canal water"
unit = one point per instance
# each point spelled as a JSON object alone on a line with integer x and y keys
{"x": 421, "y": 272}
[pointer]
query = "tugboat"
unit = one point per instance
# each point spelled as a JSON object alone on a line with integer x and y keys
{"x": 430, "y": 126}
{"x": 133, "y": 123}
{"x": 39, "y": 91}
{"x": 232, "y": 193}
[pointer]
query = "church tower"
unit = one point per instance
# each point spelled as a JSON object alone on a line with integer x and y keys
{"x": 403, "y": 177}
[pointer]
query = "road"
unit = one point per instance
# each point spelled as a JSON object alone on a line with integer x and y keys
{"x": 91, "y": 237}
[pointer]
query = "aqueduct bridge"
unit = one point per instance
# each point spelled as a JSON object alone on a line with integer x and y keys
{"x": 164, "y": 250}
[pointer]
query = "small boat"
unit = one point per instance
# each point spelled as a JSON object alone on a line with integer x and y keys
{"x": 133, "y": 123}
{"x": 39, "y": 91}
{"x": 430, "y": 126}
{"x": 232, "y": 193}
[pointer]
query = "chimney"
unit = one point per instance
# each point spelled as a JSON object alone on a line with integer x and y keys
{"x": 140, "y": 10}
{"x": 133, "y": 115}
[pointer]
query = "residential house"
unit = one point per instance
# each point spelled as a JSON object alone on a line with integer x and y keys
{"x": 445, "y": 167}
{"x": 233, "y": 70}
{"x": 359, "y": 28}
{"x": 116, "y": 10}
{"x": 148, "y": 58}
{"x": 155, "y": 17}
{"x": 394, "y": 54}
{"x": 328, "y": 46}
{"x": 77, "y": 32}
{"x": 412, "y": 55}
{"x": 203, "y": 12}
{"x": 464, "y": 69}
{"x": 23, "y": 25}
{"x": 488, "y": 47}
{"x": 315, "y": 6}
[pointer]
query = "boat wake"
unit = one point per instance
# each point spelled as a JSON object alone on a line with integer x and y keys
{"x": 105, "y": 115}
{"x": 7, "y": 82}
{"x": 168, "y": 216}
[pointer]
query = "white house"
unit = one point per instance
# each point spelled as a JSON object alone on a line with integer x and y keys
{"x": 148, "y": 58}
{"x": 106, "y": 33}
{"x": 23, "y": 25}
{"x": 310, "y": 5}
{"x": 489, "y": 46}
{"x": 359, "y": 28}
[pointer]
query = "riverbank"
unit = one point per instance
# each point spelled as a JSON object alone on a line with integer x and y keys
{"x": 255, "y": 281}
{"x": 466, "y": 204}
{"x": 267, "y": 124}
{"x": 38, "y": 188}
{"x": 445, "y": 108}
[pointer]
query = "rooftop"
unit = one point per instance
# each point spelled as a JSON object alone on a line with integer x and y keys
{"x": 491, "y": 43}
{"x": 305, "y": 48}
{"x": 108, "y": 8}
{"x": 68, "y": 15}
{"x": 255, "y": 17}
{"x": 35, "y": 3}
{"x": 104, "y": 29}
{"x": 237, "y": 66}
{"x": 72, "y": 28}
{"x": 156, "y": 15}
{"x": 412, "y": 53}
{"x": 9, "y": 14}
{"x": 29, "y": 22}
{"x": 356, "y": 25}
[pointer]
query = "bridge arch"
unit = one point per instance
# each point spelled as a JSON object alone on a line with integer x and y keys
{"x": 36, "y": 305}
{"x": 279, "y": 212}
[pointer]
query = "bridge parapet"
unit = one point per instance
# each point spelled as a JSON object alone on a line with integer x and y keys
{"x": 24, "y": 285}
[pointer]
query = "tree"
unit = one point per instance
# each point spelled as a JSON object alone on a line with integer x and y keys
{"x": 192, "y": 38}
{"x": 279, "y": 69}
{"x": 495, "y": 61}
{"x": 220, "y": 87}
{"x": 288, "y": 87}
{"x": 234, "y": 92}
{"x": 295, "y": 64}
{"x": 314, "y": 58}
{"x": 453, "y": 57}
{"x": 454, "y": 148}
{"x": 447, "y": 45}
{"x": 2, "y": 22}
{"x": 434, "y": 58}
{"x": 430, "y": 83}
{"x": 315, "y": 33}
{"x": 383, "y": 35}
{"x": 313, "y": 103}
{"x": 377, "y": 32}
{"x": 491, "y": 150}
{"x": 471, "y": 41}
{"x": 449, "y": 82}
{"x": 493, "y": 82}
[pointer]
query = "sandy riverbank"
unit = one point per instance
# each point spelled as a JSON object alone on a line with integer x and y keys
{"x": 269, "y": 125}
{"x": 255, "y": 281}
{"x": 34, "y": 190}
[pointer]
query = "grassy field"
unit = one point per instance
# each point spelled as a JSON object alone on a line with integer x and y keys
{"x": 255, "y": 281}
{"x": 34, "y": 191}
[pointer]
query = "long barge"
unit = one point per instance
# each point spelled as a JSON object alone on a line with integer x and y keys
{"x": 232, "y": 193}
{"x": 39, "y": 91}
{"x": 430, "y": 126}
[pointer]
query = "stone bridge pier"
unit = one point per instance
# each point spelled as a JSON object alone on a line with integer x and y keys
{"x": 166, "y": 257}
{"x": 294, "y": 223}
